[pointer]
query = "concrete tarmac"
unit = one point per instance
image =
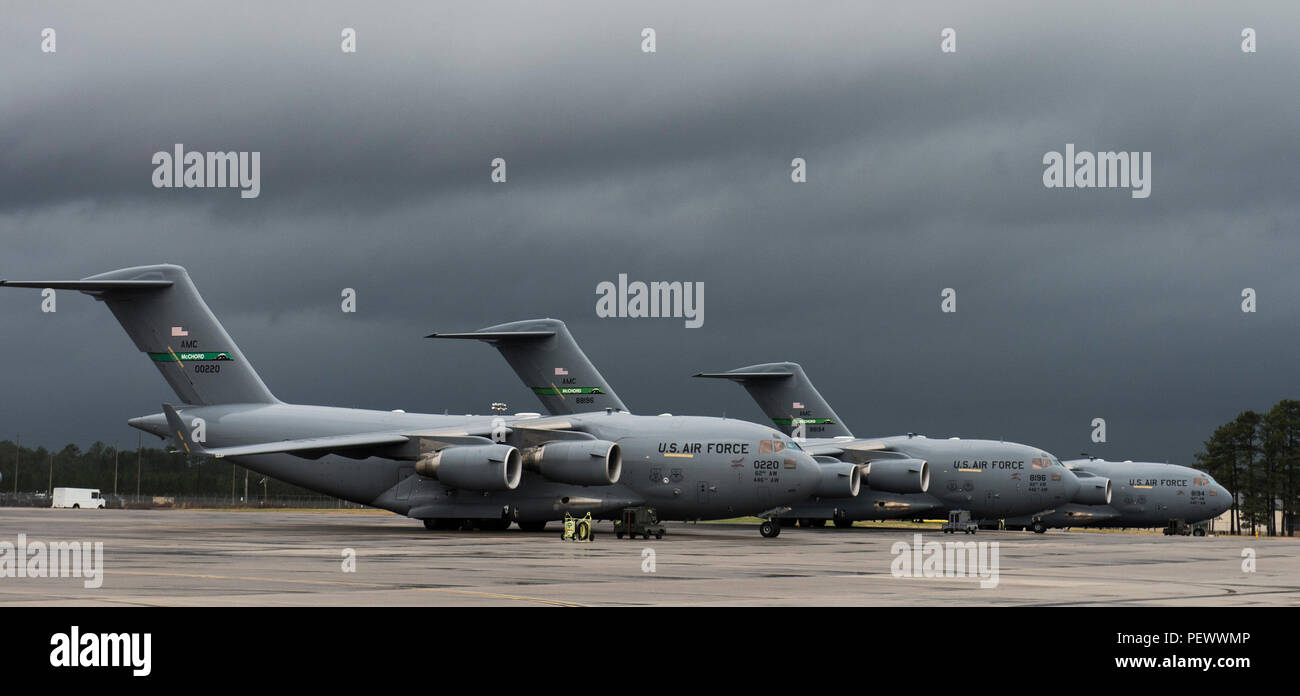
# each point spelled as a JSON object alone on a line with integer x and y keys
{"x": 243, "y": 558}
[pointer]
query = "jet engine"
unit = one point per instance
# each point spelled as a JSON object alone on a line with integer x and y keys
{"x": 899, "y": 475}
{"x": 1093, "y": 490}
{"x": 580, "y": 462}
{"x": 839, "y": 479}
{"x": 476, "y": 467}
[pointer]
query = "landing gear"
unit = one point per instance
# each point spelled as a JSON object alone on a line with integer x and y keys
{"x": 1038, "y": 527}
{"x": 1199, "y": 531}
{"x": 536, "y": 526}
{"x": 770, "y": 528}
{"x": 842, "y": 523}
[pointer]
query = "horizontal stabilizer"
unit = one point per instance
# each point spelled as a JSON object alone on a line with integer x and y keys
{"x": 743, "y": 375}
{"x": 89, "y": 285}
{"x": 496, "y": 335}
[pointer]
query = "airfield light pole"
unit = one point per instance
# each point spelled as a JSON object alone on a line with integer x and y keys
{"x": 115, "y": 457}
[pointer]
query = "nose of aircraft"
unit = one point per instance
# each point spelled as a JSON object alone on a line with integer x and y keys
{"x": 1224, "y": 500}
{"x": 808, "y": 473}
{"x": 1071, "y": 485}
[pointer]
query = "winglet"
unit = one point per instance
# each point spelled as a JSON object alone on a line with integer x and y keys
{"x": 176, "y": 425}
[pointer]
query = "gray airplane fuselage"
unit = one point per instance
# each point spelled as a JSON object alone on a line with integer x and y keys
{"x": 686, "y": 467}
{"x": 991, "y": 479}
{"x": 1145, "y": 494}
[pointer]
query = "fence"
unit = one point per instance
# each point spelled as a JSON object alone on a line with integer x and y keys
{"x": 146, "y": 502}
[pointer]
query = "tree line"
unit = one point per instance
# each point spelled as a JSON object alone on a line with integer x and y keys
{"x": 152, "y": 472}
{"x": 1256, "y": 456}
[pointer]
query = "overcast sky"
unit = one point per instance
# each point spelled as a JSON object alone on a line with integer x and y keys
{"x": 924, "y": 172}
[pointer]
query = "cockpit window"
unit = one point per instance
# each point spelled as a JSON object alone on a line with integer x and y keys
{"x": 794, "y": 445}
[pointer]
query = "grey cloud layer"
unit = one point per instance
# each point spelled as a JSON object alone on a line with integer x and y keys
{"x": 924, "y": 173}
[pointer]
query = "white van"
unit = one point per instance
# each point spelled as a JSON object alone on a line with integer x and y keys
{"x": 78, "y": 498}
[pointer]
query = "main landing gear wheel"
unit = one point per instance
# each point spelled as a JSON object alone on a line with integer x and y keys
{"x": 769, "y": 528}
{"x": 843, "y": 524}
{"x": 1039, "y": 527}
{"x": 1198, "y": 532}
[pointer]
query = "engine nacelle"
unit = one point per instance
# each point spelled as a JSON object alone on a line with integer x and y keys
{"x": 476, "y": 467}
{"x": 839, "y": 480}
{"x": 580, "y": 462}
{"x": 1093, "y": 490}
{"x": 899, "y": 475}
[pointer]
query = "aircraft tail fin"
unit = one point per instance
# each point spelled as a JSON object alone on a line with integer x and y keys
{"x": 788, "y": 397}
{"x": 167, "y": 319}
{"x": 545, "y": 356}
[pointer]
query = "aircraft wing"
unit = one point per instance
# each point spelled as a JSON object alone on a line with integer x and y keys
{"x": 858, "y": 451}
{"x": 318, "y": 444}
{"x": 313, "y": 447}
{"x": 534, "y": 433}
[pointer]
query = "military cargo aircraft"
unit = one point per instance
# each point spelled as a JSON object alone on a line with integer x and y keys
{"x": 985, "y": 477}
{"x": 1146, "y": 494}
{"x": 448, "y": 471}
{"x": 989, "y": 479}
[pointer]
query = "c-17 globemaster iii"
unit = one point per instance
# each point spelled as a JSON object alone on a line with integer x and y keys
{"x": 1145, "y": 494}
{"x": 1110, "y": 494}
{"x": 447, "y": 471}
{"x": 990, "y": 479}
{"x": 987, "y": 478}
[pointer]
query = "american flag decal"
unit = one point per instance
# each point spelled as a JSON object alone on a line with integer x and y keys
{"x": 797, "y": 404}
{"x": 560, "y": 371}
{"x": 179, "y": 331}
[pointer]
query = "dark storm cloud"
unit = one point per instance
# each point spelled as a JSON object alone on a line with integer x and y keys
{"x": 924, "y": 173}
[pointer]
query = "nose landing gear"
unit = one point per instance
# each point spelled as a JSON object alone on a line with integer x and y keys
{"x": 771, "y": 526}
